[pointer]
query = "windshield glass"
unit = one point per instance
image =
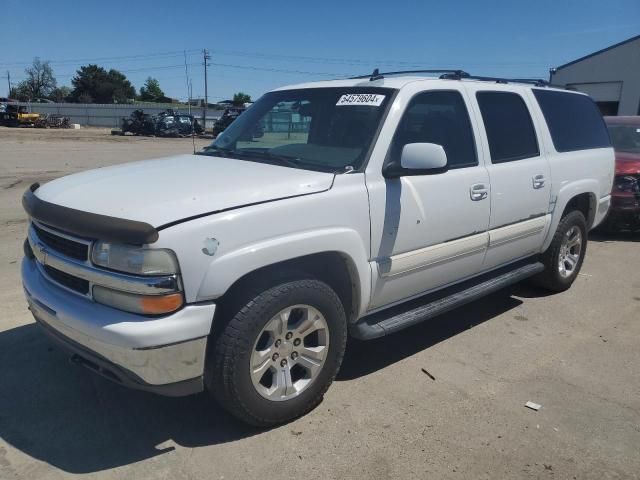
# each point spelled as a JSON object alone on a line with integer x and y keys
{"x": 625, "y": 138}
{"x": 326, "y": 129}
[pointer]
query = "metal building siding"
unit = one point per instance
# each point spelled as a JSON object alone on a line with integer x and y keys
{"x": 606, "y": 71}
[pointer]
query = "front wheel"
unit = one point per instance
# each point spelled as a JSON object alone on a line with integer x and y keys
{"x": 278, "y": 355}
{"x": 563, "y": 259}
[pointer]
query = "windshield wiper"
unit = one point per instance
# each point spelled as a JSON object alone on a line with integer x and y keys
{"x": 214, "y": 148}
{"x": 282, "y": 159}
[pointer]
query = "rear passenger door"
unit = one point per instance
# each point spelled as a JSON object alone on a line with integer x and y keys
{"x": 519, "y": 174}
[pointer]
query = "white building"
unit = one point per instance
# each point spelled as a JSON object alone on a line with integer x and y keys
{"x": 611, "y": 76}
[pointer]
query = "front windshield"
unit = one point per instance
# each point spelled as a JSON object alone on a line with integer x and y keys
{"x": 625, "y": 138}
{"x": 326, "y": 129}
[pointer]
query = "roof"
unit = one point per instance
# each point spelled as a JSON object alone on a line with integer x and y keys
{"x": 395, "y": 82}
{"x": 624, "y": 42}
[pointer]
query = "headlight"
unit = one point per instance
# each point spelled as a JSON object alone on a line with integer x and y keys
{"x": 135, "y": 260}
{"x": 141, "y": 304}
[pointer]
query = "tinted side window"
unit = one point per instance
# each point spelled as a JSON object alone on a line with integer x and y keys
{"x": 574, "y": 120}
{"x": 509, "y": 127}
{"x": 438, "y": 117}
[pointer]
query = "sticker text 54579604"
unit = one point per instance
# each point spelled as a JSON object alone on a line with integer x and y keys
{"x": 361, "y": 99}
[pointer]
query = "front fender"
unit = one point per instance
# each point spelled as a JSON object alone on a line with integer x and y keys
{"x": 217, "y": 250}
{"x": 225, "y": 270}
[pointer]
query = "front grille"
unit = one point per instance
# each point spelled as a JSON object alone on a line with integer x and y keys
{"x": 65, "y": 246}
{"x": 73, "y": 283}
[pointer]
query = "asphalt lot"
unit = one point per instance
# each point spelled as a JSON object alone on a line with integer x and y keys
{"x": 577, "y": 354}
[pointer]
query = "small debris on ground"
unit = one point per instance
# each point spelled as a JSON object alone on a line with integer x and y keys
{"x": 533, "y": 406}
{"x": 428, "y": 374}
{"x": 295, "y": 433}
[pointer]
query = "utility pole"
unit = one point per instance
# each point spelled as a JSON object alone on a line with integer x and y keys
{"x": 206, "y": 56}
{"x": 9, "y": 82}
{"x": 186, "y": 74}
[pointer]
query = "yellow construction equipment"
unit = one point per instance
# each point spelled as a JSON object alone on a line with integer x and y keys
{"x": 12, "y": 115}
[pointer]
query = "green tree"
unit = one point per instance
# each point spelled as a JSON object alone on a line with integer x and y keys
{"x": 241, "y": 98}
{"x": 151, "y": 91}
{"x": 93, "y": 84}
{"x": 60, "y": 94}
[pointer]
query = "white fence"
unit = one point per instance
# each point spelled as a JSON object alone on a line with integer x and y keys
{"x": 110, "y": 115}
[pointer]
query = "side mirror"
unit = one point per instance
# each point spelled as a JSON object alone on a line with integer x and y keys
{"x": 418, "y": 159}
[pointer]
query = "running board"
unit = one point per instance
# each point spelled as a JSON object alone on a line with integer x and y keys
{"x": 405, "y": 315}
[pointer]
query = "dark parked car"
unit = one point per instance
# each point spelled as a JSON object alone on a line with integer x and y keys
{"x": 625, "y": 202}
{"x": 165, "y": 124}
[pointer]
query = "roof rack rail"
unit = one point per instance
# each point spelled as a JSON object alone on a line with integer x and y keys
{"x": 533, "y": 81}
{"x": 448, "y": 74}
{"x": 377, "y": 75}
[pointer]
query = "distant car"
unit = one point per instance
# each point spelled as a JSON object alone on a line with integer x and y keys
{"x": 227, "y": 118}
{"x": 165, "y": 124}
{"x": 625, "y": 197}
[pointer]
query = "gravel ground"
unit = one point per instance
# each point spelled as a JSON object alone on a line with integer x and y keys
{"x": 576, "y": 353}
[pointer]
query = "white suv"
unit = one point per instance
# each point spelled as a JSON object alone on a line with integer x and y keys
{"x": 242, "y": 269}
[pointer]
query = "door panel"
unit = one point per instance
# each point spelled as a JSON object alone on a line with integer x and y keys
{"x": 433, "y": 233}
{"x": 430, "y": 230}
{"x": 519, "y": 174}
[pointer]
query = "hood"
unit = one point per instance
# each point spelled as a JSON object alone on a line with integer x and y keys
{"x": 169, "y": 189}
{"x": 627, "y": 163}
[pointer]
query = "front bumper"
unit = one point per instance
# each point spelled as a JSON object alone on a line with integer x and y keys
{"x": 165, "y": 355}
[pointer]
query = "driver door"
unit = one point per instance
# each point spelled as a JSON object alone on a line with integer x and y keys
{"x": 430, "y": 230}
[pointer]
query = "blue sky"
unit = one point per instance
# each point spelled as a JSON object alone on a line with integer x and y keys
{"x": 259, "y": 45}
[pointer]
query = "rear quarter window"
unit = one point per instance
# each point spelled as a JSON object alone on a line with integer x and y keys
{"x": 574, "y": 121}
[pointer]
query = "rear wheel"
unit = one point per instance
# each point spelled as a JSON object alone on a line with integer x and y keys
{"x": 563, "y": 259}
{"x": 279, "y": 353}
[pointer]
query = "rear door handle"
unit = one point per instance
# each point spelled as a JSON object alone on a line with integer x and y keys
{"x": 538, "y": 181}
{"x": 479, "y": 191}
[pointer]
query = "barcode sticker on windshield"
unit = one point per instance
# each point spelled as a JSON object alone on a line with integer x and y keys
{"x": 361, "y": 99}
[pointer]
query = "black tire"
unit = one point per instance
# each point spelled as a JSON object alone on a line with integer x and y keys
{"x": 227, "y": 371}
{"x": 551, "y": 278}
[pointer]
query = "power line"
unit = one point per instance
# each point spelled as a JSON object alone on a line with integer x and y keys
{"x": 365, "y": 62}
{"x": 105, "y": 59}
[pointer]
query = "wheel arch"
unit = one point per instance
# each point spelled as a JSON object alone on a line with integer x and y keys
{"x": 578, "y": 196}
{"x": 335, "y": 268}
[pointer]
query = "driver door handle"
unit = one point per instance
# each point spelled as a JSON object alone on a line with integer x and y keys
{"x": 479, "y": 191}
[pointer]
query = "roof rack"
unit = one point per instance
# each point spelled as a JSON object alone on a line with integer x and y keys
{"x": 376, "y": 75}
{"x": 447, "y": 74}
{"x": 533, "y": 81}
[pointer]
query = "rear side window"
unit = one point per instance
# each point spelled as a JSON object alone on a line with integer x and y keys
{"x": 509, "y": 127}
{"x": 574, "y": 120}
{"x": 438, "y": 117}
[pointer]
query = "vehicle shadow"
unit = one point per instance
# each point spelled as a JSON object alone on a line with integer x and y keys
{"x": 80, "y": 423}
{"x": 621, "y": 236}
{"x": 364, "y": 358}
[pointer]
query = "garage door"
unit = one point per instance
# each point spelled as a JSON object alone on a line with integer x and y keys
{"x": 600, "y": 92}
